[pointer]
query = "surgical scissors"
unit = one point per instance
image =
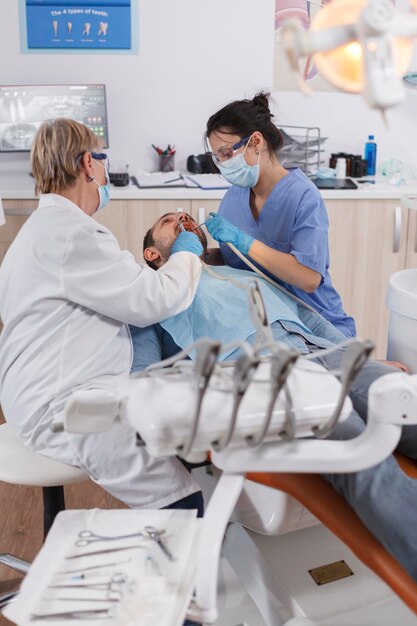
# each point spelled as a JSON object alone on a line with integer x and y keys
{"x": 155, "y": 534}
{"x": 87, "y": 537}
{"x": 112, "y": 586}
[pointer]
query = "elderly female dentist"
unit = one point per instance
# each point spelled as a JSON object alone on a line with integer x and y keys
{"x": 273, "y": 215}
{"x": 67, "y": 295}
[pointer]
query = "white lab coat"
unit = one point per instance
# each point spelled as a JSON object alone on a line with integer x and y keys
{"x": 67, "y": 293}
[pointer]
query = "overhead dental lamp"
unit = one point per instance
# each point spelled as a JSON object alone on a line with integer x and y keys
{"x": 359, "y": 46}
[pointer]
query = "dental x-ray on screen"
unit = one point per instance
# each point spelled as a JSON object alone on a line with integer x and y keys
{"x": 24, "y": 107}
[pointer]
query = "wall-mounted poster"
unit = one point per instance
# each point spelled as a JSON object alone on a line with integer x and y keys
{"x": 81, "y": 24}
{"x": 284, "y": 79}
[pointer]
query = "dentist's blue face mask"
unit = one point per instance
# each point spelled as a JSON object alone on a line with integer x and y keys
{"x": 237, "y": 172}
{"x": 103, "y": 190}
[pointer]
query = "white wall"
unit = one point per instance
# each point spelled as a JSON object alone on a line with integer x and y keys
{"x": 194, "y": 56}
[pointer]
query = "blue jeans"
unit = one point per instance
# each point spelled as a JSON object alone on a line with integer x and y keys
{"x": 383, "y": 496}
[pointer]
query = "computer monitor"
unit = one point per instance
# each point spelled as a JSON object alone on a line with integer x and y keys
{"x": 24, "y": 107}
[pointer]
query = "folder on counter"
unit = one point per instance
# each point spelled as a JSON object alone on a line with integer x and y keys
{"x": 149, "y": 180}
{"x": 206, "y": 181}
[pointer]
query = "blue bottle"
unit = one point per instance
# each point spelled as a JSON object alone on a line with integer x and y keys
{"x": 370, "y": 155}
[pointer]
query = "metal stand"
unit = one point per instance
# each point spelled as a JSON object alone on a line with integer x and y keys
{"x": 53, "y": 503}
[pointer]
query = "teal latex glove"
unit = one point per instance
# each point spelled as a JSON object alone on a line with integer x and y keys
{"x": 187, "y": 242}
{"x": 222, "y": 230}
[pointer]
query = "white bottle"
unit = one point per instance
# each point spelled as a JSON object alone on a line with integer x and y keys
{"x": 341, "y": 168}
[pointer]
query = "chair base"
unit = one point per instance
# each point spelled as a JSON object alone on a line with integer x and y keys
{"x": 53, "y": 503}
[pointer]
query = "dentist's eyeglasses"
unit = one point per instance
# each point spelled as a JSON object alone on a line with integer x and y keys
{"x": 226, "y": 152}
{"x": 101, "y": 157}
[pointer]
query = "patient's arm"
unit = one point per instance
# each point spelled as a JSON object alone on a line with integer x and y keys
{"x": 147, "y": 346}
{"x": 214, "y": 257}
{"x": 151, "y": 345}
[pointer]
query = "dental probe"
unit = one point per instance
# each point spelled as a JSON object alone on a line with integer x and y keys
{"x": 199, "y": 226}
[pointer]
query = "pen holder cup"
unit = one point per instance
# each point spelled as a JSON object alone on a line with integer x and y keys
{"x": 166, "y": 162}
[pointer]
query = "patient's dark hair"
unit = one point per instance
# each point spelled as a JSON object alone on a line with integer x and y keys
{"x": 149, "y": 241}
{"x": 244, "y": 117}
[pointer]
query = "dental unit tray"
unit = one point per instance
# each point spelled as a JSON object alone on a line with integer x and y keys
{"x": 166, "y": 405}
{"x": 160, "y": 407}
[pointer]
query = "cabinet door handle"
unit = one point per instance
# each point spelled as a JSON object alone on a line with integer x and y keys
{"x": 397, "y": 229}
{"x": 415, "y": 236}
{"x": 201, "y": 214}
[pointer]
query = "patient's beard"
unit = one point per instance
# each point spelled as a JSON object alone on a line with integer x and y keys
{"x": 164, "y": 246}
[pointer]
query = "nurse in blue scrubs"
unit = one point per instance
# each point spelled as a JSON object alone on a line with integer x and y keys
{"x": 274, "y": 216}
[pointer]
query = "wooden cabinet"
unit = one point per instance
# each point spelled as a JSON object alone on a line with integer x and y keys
{"x": 129, "y": 220}
{"x": 367, "y": 244}
{"x": 8, "y": 232}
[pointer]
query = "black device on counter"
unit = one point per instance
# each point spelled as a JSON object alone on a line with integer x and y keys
{"x": 356, "y": 166}
{"x": 119, "y": 179}
{"x": 201, "y": 164}
{"x": 334, "y": 183}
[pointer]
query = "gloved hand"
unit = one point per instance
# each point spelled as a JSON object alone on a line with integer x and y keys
{"x": 222, "y": 230}
{"x": 187, "y": 242}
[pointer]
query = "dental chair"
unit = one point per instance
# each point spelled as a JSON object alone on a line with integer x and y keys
{"x": 261, "y": 455}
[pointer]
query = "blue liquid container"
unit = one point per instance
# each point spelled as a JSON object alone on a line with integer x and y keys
{"x": 370, "y": 155}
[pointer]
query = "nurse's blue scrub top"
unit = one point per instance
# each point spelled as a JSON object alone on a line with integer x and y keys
{"x": 293, "y": 220}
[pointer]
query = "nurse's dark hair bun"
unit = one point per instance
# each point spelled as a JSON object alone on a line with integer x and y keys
{"x": 244, "y": 117}
{"x": 261, "y": 100}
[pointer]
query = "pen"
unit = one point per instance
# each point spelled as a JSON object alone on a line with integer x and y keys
{"x": 172, "y": 180}
{"x": 158, "y": 150}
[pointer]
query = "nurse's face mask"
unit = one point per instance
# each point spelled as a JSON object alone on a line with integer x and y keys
{"x": 103, "y": 190}
{"x": 234, "y": 167}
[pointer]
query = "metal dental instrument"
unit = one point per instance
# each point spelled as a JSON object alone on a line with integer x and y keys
{"x": 84, "y": 614}
{"x": 356, "y": 355}
{"x": 155, "y": 535}
{"x": 243, "y": 373}
{"x": 198, "y": 226}
{"x": 113, "y": 584}
{"x": 111, "y": 596}
{"x": 288, "y": 431}
{"x": 77, "y": 556}
{"x": 205, "y": 362}
{"x": 282, "y": 361}
{"x": 92, "y": 567}
{"x": 87, "y": 537}
{"x": 258, "y": 313}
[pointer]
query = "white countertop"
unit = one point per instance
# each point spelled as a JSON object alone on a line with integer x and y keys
{"x": 19, "y": 185}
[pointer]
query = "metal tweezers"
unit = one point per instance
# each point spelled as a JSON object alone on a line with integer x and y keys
{"x": 76, "y": 615}
{"x": 356, "y": 355}
{"x": 282, "y": 362}
{"x": 205, "y": 362}
{"x": 242, "y": 376}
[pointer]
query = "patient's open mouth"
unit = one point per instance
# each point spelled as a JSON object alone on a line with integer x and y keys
{"x": 188, "y": 226}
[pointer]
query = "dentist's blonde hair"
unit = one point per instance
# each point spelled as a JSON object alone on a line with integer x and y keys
{"x": 56, "y": 153}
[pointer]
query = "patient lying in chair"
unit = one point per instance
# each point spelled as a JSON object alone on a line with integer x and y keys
{"x": 383, "y": 496}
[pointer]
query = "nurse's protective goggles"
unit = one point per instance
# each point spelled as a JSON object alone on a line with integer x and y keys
{"x": 226, "y": 152}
